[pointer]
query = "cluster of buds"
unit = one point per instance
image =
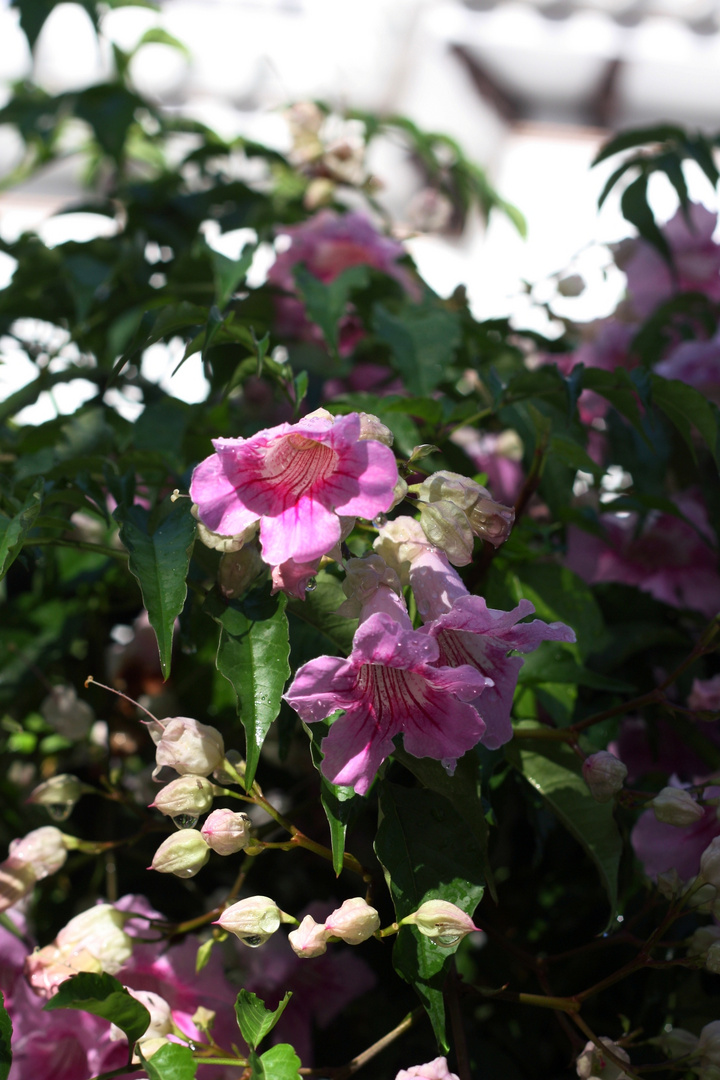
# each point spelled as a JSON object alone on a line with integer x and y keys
{"x": 353, "y": 922}
{"x": 455, "y": 509}
{"x": 604, "y": 774}
{"x": 702, "y": 1052}
{"x": 94, "y": 941}
{"x": 330, "y": 150}
{"x": 444, "y": 923}
{"x": 34, "y": 857}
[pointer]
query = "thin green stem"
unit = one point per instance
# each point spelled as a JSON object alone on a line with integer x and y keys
{"x": 81, "y": 545}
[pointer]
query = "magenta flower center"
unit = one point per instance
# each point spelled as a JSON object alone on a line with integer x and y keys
{"x": 295, "y": 465}
{"x": 392, "y": 693}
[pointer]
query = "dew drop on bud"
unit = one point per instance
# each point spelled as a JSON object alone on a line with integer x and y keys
{"x": 60, "y": 811}
{"x": 380, "y": 520}
{"x": 447, "y": 940}
{"x": 311, "y": 585}
{"x": 184, "y": 821}
{"x": 183, "y": 873}
{"x": 252, "y": 940}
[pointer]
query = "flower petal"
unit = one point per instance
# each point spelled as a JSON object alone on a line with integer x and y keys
{"x": 304, "y": 532}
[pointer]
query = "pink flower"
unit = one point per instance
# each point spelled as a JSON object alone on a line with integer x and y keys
{"x": 705, "y": 694}
{"x": 389, "y": 684}
{"x": 666, "y": 557}
{"x": 295, "y": 479}
{"x": 696, "y": 363}
{"x": 696, "y": 260}
{"x": 432, "y": 1070}
{"x": 661, "y": 847}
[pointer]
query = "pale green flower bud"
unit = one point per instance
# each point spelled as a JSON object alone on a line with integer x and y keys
{"x": 454, "y": 487}
{"x": 446, "y": 526}
{"x": 399, "y": 492}
{"x": 355, "y": 921}
{"x": 253, "y": 920}
{"x": 373, "y": 428}
{"x": 488, "y": 519}
{"x": 238, "y": 570}
{"x": 226, "y": 831}
{"x": 44, "y": 850}
{"x": 161, "y": 1021}
{"x": 670, "y": 884}
{"x": 709, "y": 1044}
{"x": 188, "y": 795}
{"x": 149, "y": 1047}
{"x": 58, "y": 794}
{"x": 677, "y": 1043}
{"x": 363, "y": 577}
{"x": 675, "y": 806}
{"x": 189, "y": 747}
{"x": 183, "y": 854}
{"x": 217, "y": 541}
{"x": 16, "y": 880}
{"x": 491, "y": 520}
{"x": 710, "y": 862}
{"x": 699, "y": 895}
{"x": 99, "y": 931}
{"x": 443, "y": 922}
{"x": 701, "y": 940}
{"x": 310, "y": 938}
{"x": 604, "y": 774}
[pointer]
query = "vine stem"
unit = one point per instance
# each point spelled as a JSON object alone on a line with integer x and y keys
{"x": 452, "y": 998}
{"x": 604, "y": 1050}
{"x": 367, "y": 1055}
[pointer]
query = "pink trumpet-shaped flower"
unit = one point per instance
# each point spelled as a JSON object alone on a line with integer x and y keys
{"x": 295, "y": 479}
{"x": 387, "y": 686}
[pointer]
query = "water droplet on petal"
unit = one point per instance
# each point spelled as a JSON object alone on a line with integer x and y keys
{"x": 60, "y": 811}
{"x": 380, "y": 520}
{"x": 447, "y": 940}
{"x": 183, "y": 873}
{"x": 184, "y": 821}
{"x": 253, "y": 940}
{"x": 311, "y": 585}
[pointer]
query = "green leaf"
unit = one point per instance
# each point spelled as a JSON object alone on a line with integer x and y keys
{"x": 280, "y": 1063}
{"x": 202, "y": 957}
{"x": 687, "y": 408}
{"x": 104, "y": 996}
{"x": 423, "y": 340}
{"x": 14, "y": 530}
{"x": 159, "y": 559}
{"x": 636, "y": 209}
{"x": 170, "y": 1062}
{"x": 626, "y": 140}
{"x": 254, "y": 1020}
{"x": 555, "y": 772}
{"x": 229, "y": 273}
{"x": 339, "y": 802}
{"x": 426, "y": 853}
{"x": 109, "y": 109}
{"x": 5, "y": 1040}
{"x": 315, "y": 626}
{"x": 325, "y": 305}
{"x": 253, "y": 656}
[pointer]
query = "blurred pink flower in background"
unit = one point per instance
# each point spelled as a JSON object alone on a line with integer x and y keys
{"x": 661, "y": 847}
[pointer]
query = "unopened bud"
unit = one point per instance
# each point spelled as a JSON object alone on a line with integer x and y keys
{"x": 452, "y": 487}
{"x": 363, "y": 577}
{"x": 354, "y": 921}
{"x": 238, "y": 570}
{"x": 709, "y": 1043}
{"x": 203, "y": 1018}
{"x": 149, "y": 1047}
{"x": 43, "y": 849}
{"x": 189, "y": 747}
{"x": 675, "y": 806}
{"x": 373, "y": 428}
{"x": 183, "y": 854}
{"x": 188, "y": 795}
{"x": 446, "y": 526}
{"x": 491, "y": 520}
{"x": 320, "y": 192}
{"x": 16, "y": 880}
{"x": 700, "y": 895}
{"x": 677, "y": 1043}
{"x": 161, "y": 1021}
{"x": 441, "y": 921}
{"x": 399, "y": 492}
{"x": 219, "y": 542}
{"x": 65, "y": 714}
{"x": 58, "y": 794}
{"x": 226, "y": 831}
{"x": 310, "y": 938}
{"x": 604, "y": 774}
{"x": 670, "y": 884}
{"x": 710, "y": 862}
{"x": 253, "y": 920}
{"x": 592, "y": 1064}
{"x": 700, "y": 941}
{"x": 99, "y": 931}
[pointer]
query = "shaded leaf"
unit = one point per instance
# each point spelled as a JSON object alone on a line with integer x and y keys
{"x": 315, "y": 626}
{"x": 423, "y": 340}
{"x": 170, "y": 1062}
{"x": 418, "y": 845}
{"x": 14, "y": 530}
{"x": 253, "y": 656}
{"x": 687, "y": 409}
{"x": 636, "y": 209}
{"x": 254, "y": 1020}
{"x": 159, "y": 559}
{"x": 279, "y": 1063}
{"x": 555, "y": 772}
{"x": 325, "y": 304}
{"x": 104, "y": 996}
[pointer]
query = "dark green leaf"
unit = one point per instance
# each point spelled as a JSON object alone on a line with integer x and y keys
{"x": 104, "y": 996}
{"x": 325, "y": 305}
{"x": 109, "y": 109}
{"x": 254, "y": 1020}
{"x": 316, "y": 628}
{"x": 159, "y": 559}
{"x": 14, "y": 530}
{"x": 636, "y": 209}
{"x": 687, "y": 409}
{"x": 253, "y": 656}
{"x": 626, "y": 140}
{"x": 423, "y": 340}
{"x": 5, "y": 1040}
{"x": 229, "y": 273}
{"x": 556, "y": 772}
{"x": 170, "y": 1062}
{"x": 427, "y": 853}
{"x": 339, "y": 802}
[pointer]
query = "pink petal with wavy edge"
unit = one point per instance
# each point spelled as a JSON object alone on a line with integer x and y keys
{"x": 304, "y": 532}
{"x": 322, "y": 686}
{"x": 217, "y": 501}
{"x": 382, "y": 640}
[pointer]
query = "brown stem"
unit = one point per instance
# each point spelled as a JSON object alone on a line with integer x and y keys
{"x": 367, "y": 1055}
{"x": 622, "y": 1065}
